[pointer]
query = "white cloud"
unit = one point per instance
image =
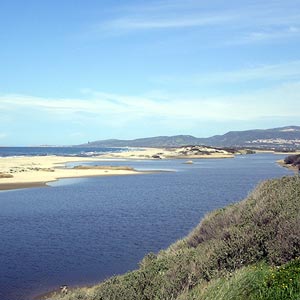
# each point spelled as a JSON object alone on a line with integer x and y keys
{"x": 133, "y": 24}
{"x": 161, "y": 6}
{"x": 277, "y": 19}
{"x": 267, "y": 35}
{"x": 272, "y": 72}
{"x": 115, "y": 109}
{"x": 161, "y": 15}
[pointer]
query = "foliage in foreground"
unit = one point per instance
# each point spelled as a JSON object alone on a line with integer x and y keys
{"x": 256, "y": 282}
{"x": 263, "y": 228}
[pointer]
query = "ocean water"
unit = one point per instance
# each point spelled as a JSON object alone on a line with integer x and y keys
{"x": 81, "y": 231}
{"x": 65, "y": 151}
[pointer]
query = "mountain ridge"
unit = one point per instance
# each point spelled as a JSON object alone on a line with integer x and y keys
{"x": 287, "y": 137}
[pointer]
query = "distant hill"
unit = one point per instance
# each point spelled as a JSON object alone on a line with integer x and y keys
{"x": 158, "y": 141}
{"x": 284, "y": 138}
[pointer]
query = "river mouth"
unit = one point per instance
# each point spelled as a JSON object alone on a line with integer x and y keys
{"x": 85, "y": 230}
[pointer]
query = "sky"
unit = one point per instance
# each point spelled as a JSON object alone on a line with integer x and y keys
{"x": 76, "y": 71}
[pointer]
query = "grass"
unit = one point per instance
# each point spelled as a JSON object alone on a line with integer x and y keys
{"x": 232, "y": 254}
{"x": 256, "y": 282}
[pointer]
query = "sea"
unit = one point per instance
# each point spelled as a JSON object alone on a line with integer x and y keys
{"x": 60, "y": 151}
{"x": 79, "y": 232}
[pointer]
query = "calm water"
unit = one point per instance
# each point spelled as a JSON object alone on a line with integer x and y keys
{"x": 81, "y": 231}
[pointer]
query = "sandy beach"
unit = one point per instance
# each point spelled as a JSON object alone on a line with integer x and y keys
{"x": 30, "y": 171}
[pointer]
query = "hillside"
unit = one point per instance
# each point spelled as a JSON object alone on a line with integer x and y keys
{"x": 283, "y": 138}
{"x": 158, "y": 141}
{"x": 231, "y": 254}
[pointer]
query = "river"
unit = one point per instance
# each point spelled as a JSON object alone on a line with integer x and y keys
{"x": 81, "y": 231}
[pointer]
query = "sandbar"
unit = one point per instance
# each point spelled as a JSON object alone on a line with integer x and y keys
{"x": 33, "y": 171}
{"x": 30, "y": 171}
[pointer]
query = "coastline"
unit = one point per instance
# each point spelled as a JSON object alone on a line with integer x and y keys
{"x": 20, "y": 172}
{"x": 37, "y": 171}
{"x": 47, "y": 295}
{"x": 287, "y": 166}
{"x": 16, "y": 186}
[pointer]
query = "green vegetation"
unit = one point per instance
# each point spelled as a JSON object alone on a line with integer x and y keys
{"x": 234, "y": 253}
{"x": 256, "y": 282}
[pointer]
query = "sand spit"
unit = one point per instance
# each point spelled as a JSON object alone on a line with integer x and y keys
{"x": 29, "y": 171}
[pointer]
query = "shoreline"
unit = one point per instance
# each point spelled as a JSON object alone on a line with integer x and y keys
{"x": 18, "y": 172}
{"x": 17, "y": 186}
{"x": 37, "y": 171}
{"x": 48, "y": 294}
{"x": 287, "y": 166}
{"x": 25, "y": 185}
{"x": 178, "y": 245}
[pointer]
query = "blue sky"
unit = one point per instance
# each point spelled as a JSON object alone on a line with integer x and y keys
{"x": 78, "y": 71}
